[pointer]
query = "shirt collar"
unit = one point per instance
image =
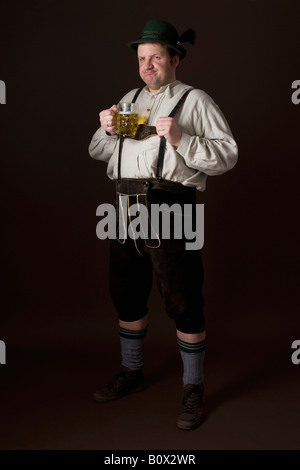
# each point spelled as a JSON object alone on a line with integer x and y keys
{"x": 167, "y": 89}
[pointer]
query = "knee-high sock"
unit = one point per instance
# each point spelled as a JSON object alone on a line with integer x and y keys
{"x": 192, "y": 355}
{"x": 132, "y": 347}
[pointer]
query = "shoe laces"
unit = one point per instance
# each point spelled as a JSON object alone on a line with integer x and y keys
{"x": 118, "y": 379}
{"x": 191, "y": 399}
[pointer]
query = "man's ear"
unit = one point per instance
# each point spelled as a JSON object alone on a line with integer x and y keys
{"x": 175, "y": 61}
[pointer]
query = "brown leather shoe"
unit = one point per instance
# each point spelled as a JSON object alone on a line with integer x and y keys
{"x": 191, "y": 412}
{"x": 126, "y": 381}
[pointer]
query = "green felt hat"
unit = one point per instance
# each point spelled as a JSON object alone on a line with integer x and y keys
{"x": 164, "y": 33}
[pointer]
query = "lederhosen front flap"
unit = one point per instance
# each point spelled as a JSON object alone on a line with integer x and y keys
{"x": 127, "y": 188}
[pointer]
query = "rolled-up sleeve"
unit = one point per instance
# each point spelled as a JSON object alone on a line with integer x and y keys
{"x": 212, "y": 149}
{"x": 102, "y": 145}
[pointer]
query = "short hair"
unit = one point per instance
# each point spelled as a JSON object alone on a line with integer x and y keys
{"x": 171, "y": 52}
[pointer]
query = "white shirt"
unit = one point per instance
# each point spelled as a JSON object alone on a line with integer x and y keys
{"x": 207, "y": 146}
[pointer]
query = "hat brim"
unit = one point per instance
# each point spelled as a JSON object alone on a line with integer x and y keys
{"x": 177, "y": 48}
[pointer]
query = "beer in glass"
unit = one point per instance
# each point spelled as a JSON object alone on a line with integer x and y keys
{"x": 127, "y": 119}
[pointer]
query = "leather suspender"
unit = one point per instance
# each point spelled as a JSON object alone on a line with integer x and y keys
{"x": 121, "y": 140}
{"x": 162, "y": 145}
{"x": 136, "y": 95}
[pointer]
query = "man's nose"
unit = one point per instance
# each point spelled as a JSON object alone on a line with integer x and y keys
{"x": 148, "y": 63}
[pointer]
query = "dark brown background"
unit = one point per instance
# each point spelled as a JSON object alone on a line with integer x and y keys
{"x": 62, "y": 63}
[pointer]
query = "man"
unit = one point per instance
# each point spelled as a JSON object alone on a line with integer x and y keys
{"x": 166, "y": 164}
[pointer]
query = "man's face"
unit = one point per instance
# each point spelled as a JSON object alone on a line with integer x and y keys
{"x": 156, "y": 66}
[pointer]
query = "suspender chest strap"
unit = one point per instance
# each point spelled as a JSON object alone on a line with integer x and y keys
{"x": 136, "y": 95}
{"x": 162, "y": 145}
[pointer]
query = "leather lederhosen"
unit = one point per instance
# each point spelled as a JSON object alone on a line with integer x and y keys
{"x": 134, "y": 190}
{"x": 179, "y": 272}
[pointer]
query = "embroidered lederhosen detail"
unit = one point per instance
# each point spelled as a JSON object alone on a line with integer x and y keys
{"x": 138, "y": 188}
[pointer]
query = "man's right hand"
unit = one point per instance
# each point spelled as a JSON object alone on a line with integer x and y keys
{"x": 108, "y": 119}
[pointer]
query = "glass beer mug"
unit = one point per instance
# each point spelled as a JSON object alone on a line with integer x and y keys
{"x": 127, "y": 119}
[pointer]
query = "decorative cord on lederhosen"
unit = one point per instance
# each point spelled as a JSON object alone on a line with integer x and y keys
{"x": 126, "y": 188}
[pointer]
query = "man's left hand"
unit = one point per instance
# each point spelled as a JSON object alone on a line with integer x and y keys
{"x": 167, "y": 127}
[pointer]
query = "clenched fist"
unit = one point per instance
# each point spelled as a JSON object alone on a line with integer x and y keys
{"x": 108, "y": 119}
{"x": 167, "y": 127}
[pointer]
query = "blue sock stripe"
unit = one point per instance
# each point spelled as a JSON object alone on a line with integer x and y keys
{"x": 132, "y": 334}
{"x": 191, "y": 347}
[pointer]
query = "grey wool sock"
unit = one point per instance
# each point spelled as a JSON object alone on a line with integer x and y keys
{"x": 192, "y": 355}
{"x": 132, "y": 347}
